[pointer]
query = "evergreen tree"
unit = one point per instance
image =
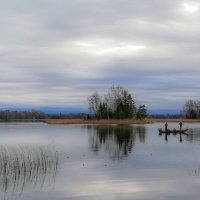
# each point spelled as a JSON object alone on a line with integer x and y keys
{"x": 141, "y": 112}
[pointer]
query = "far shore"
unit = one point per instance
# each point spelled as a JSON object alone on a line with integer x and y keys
{"x": 117, "y": 121}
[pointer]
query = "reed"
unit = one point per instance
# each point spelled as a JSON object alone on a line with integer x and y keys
{"x": 26, "y": 167}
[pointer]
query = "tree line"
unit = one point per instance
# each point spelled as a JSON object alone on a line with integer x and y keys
{"x": 36, "y": 115}
{"x": 117, "y": 103}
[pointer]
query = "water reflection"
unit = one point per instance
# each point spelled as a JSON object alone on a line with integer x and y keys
{"x": 26, "y": 167}
{"x": 180, "y": 136}
{"x": 194, "y": 135}
{"x": 194, "y": 172}
{"x": 118, "y": 141}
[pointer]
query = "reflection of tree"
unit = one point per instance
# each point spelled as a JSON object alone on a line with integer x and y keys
{"x": 194, "y": 172}
{"x": 25, "y": 167}
{"x": 118, "y": 141}
{"x": 194, "y": 135}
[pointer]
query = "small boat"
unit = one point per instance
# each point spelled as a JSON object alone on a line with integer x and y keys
{"x": 174, "y": 131}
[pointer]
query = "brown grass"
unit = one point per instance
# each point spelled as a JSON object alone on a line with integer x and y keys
{"x": 178, "y": 120}
{"x": 111, "y": 121}
{"x": 115, "y": 121}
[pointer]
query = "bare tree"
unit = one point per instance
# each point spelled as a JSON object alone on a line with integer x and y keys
{"x": 94, "y": 104}
{"x": 192, "y": 109}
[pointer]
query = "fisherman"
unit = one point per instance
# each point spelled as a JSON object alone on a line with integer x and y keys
{"x": 180, "y": 124}
{"x": 166, "y": 125}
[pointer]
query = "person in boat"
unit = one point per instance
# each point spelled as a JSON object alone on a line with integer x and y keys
{"x": 166, "y": 125}
{"x": 180, "y": 124}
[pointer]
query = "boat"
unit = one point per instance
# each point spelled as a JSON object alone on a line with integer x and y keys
{"x": 173, "y": 131}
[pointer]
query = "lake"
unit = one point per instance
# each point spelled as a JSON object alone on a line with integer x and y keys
{"x": 92, "y": 162}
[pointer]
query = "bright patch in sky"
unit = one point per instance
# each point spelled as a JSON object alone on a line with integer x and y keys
{"x": 110, "y": 48}
{"x": 190, "y": 8}
{"x": 123, "y": 50}
{"x": 84, "y": 44}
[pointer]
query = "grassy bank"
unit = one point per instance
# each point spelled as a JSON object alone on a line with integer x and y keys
{"x": 178, "y": 120}
{"x": 114, "y": 121}
{"x": 111, "y": 121}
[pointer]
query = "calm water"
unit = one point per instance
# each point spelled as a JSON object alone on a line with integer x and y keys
{"x": 79, "y": 162}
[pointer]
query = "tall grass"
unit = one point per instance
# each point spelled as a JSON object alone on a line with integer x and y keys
{"x": 26, "y": 167}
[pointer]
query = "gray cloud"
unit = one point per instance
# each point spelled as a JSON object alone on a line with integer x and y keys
{"x": 56, "y": 53}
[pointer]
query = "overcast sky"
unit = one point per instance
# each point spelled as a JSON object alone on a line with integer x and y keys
{"x": 57, "y": 52}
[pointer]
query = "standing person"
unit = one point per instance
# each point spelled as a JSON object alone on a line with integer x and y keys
{"x": 166, "y": 125}
{"x": 180, "y": 124}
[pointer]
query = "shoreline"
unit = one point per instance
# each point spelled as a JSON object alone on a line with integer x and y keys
{"x": 117, "y": 122}
{"x": 100, "y": 122}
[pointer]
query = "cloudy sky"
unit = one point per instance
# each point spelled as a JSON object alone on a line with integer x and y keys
{"x": 55, "y": 53}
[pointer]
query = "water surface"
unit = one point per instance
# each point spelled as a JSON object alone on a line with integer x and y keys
{"x": 89, "y": 162}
